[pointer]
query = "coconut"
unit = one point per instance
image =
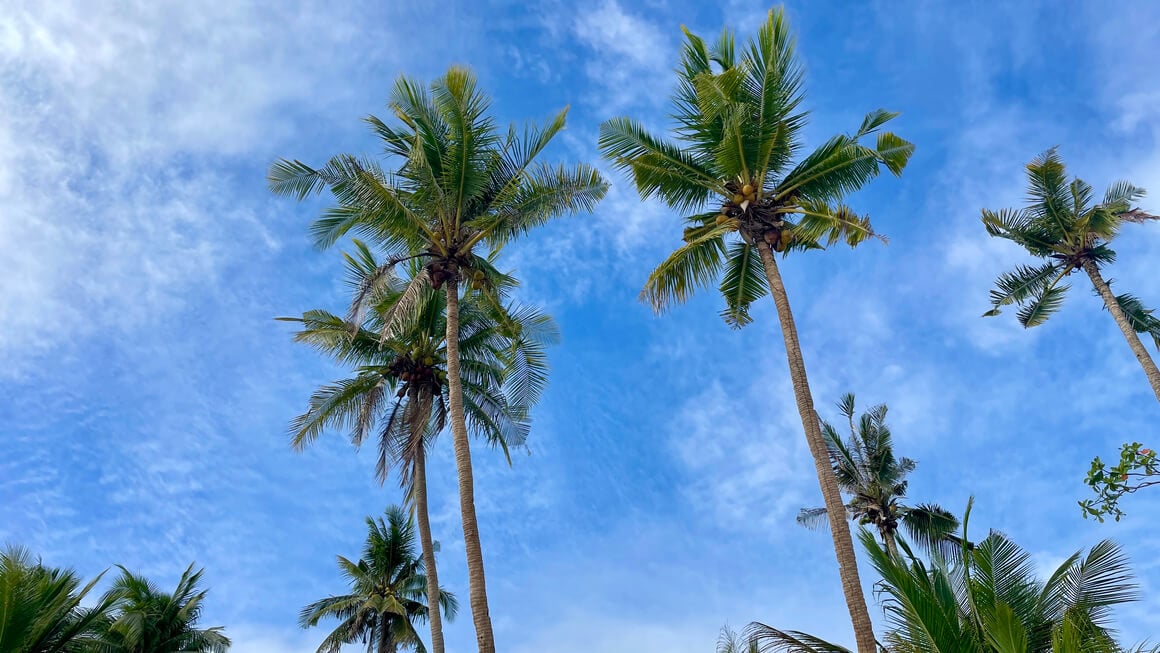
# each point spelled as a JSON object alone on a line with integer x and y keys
{"x": 747, "y": 189}
{"x": 722, "y": 219}
{"x": 737, "y": 199}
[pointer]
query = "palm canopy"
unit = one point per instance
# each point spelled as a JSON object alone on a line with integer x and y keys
{"x": 40, "y": 607}
{"x": 735, "y": 168}
{"x": 875, "y": 480}
{"x": 398, "y": 355}
{"x": 988, "y": 599}
{"x": 1064, "y": 225}
{"x": 387, "y": 592}
{"x": 149, "y": 620}
{"x": 455, "y": 181}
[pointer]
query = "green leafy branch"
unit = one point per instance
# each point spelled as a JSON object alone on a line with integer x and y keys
{"x": 1138, "y": 468}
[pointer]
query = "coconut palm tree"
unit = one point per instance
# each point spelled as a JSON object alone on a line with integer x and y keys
{"x": 398, "y": 393}
{"x": 40, "y": 607}
{"x": 868, "y": 471}
{"x": 732, "y": 171}
{"x": 989, "y": 600}
{"x": 458, "y": 186}
{"x": 387, "y": 592}
{"x": 145, "y": 619}
{"x": 1065, "y": 227}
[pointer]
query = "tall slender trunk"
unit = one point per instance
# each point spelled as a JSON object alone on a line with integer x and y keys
{"x": 434, "y": 614}
{"x": 839, "y": 528}
{"x": 477, "y": 589}
{"x": 888, "y": 541}
{"x": 1130, "y": 335}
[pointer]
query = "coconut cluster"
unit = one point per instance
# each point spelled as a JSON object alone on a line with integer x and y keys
{"x": 417, "y": 367}
{"x": 442, "y": 270}
{"x": 751, "y": 213}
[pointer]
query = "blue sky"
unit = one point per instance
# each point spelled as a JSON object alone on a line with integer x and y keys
{"x": 145, "y": 388}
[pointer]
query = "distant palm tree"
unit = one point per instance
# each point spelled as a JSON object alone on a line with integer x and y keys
{"x": 876, "y": 482}
{"x": 1064, "y": 226}
{"x": 731, "y": 170}
{"x": 399, "y": 392}
{"x": 991, "y": 600}
{"x": 387, "y": 592}
{"x": 460, "y": 185}
{"x": 40, "y": 607}
{"x": 145, "y": 619}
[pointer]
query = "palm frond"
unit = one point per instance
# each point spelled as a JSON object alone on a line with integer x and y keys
{"x": 742, "y": 284}
{"x": 692, "y": 266}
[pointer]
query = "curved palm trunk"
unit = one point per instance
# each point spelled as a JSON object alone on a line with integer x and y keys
{"x": 839, "y": 528}
{"x": 477, "y": 589}
{"x": 1130, "y": 335}
{"x": 428, "y": 546}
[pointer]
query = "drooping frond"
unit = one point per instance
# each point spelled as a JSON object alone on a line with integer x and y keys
{"x": 1021, "y": 284}
{"x": 1044, "y": 302}
{"x": 1142, "y": 319}
{"x": 692, "y": 266}
{"x": 742, "y": 284}
{"x": 772, "y": 640}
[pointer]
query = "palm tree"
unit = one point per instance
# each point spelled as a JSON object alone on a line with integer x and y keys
{"x": 399, "y": 391}
{"x": 146, "y": 619}
{"x": 732, "y": 172}
{"x": 1065, "y": 227}
{"x": 991, "y": 600}
{"x": 40, "y": 607}
{"x": 459, "y": 184}
{"x": 868, "y": 471}
{"x": 387, "y": 592}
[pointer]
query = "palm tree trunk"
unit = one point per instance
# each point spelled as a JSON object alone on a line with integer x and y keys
{"x": 839, "y": 528}
{"x": 428, "y": 546}
{"x": 891, "y": 545}
{"x": 1130, "y": 335}
{"x": 477, "y": 589}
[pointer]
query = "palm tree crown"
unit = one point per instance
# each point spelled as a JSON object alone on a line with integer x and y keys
{"x": 387, "y": 592}
{"x": 1066, "y": 227}
{"x": 149, "y": 620}
{"x": 875, "y": 479}
{"x": 398, "y": 394}
{"x": 732, "y": 168}
{"x": 40, "y": 607}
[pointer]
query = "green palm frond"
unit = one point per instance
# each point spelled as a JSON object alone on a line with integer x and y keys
{"x": 692, "y": 266}
{"x": 772, "y": 640}
{"x": 1021, "y": 284}
{"x": 658, "y": 168}
{"x": 1142, "y": 319}
{"x": 742, "y": 284}
{"x": 1041, "y": 304}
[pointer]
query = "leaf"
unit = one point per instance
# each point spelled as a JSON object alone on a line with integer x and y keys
{"x": 1043, "y": 304}
{"x": 1021, "y": 284}
{"x": 742, "y": 284}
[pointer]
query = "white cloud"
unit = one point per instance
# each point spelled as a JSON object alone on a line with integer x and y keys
{"x": 748, "y": 466}
{"x": 633, "y": 57}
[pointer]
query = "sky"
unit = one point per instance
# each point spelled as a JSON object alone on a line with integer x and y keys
{"x": 145, "y": 388}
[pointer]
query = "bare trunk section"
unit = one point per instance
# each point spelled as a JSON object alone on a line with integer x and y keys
{"x": 434, "y": 614}
{"x": 477, "y": 589}
{"x": 839, "y": 528}
{"x": 891, "y": 545}
{"x": 1130, "y": 335}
